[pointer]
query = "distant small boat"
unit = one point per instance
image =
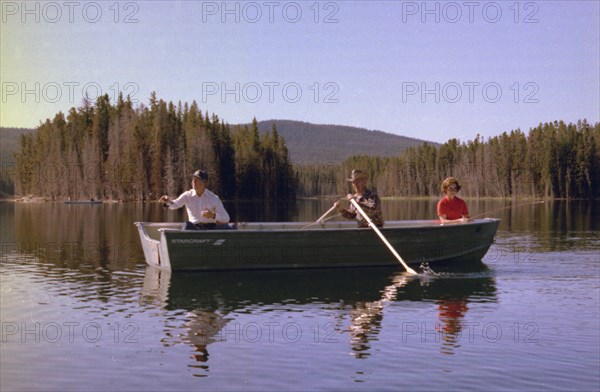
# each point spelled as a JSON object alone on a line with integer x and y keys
{"x": 83, "y": 201}
{"x": 331, "y": 244}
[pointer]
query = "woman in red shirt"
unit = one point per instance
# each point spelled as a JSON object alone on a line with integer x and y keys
{"x": 452, "y": 209}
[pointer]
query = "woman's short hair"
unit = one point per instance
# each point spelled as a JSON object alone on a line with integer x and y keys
{"x": 450, "y": 181}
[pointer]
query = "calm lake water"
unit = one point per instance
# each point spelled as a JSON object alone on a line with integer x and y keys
{"x": 81, "y": 311}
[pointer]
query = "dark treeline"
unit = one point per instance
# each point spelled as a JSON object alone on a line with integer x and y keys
{"x": 118, "y": 152}
{"x": 554, "y": 160}
{"x": 9, "y": 141}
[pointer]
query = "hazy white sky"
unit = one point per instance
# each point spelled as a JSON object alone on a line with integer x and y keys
{"x": 429, "y": 69}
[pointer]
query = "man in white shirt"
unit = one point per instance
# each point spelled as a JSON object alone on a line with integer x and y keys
{"x": 205, "y": 210}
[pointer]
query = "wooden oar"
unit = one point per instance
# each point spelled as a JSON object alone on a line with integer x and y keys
{"x": 385, "y": 241}
{"x": 319, "y": 220}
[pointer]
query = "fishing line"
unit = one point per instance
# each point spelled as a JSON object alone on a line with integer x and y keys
{"x": 507, "y": 207}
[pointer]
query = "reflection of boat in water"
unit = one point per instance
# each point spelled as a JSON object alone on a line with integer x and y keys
{"x": 234, "y": 290}
{"x": 356, "y": 298}
{"x": 298, "y": 245}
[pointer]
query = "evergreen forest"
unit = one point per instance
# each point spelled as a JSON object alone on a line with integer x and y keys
{"x": 107, "y": 151}
{"x": 554, "y": 160}
{"x": 115, "y": 151}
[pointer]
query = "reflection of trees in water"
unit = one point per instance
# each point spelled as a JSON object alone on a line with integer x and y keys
{"x": 79, "y": 236}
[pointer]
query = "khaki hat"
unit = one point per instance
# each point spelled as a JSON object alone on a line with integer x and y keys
{"x": 357, "y": 175}
{"x": 201, "y": 174}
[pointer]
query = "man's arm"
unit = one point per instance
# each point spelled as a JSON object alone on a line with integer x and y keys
{"x": 221, "y": 215}
{"x": 173, "y": 204}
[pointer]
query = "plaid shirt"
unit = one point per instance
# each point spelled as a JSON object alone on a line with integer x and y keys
{"x": 371, "y": 205}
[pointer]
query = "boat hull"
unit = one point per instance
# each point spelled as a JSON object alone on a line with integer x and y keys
{"x": 276, "y": 245}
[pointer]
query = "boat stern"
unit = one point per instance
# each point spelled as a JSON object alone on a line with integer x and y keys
{"x": 152, "y": 245}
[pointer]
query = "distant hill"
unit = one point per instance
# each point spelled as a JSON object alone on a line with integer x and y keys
{"x": 307, "y": 143}
{"x": 9, "y": 142}
{"x": 318, "y": 143}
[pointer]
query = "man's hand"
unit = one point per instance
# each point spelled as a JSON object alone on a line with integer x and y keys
{"x": 165, "y": 201}
{"x": 208, "y": 214}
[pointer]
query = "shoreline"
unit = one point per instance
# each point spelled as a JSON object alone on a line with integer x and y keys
{"x": 40, "y": 199}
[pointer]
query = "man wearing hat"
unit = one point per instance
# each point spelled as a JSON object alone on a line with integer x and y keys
{"x": 368, "y": 200}
{"x": 205, "y": 210}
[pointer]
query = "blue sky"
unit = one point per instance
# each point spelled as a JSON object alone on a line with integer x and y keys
{"x": 433, "y": 70}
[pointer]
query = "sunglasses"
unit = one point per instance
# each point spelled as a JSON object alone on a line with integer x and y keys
{"x": 452, "y": 188}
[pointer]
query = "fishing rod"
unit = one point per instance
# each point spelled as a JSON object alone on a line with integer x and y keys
{"x": 322, "y": 219}
{"x": 507, "y": 207}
